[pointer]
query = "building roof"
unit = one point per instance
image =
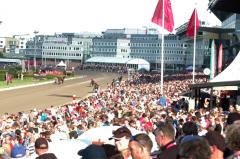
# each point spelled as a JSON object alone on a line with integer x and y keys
{"x": 214, "y": 84}
{"x": 182, "y": 31}
{"x": 117, "y": 60}
{"x": 10, "y": 60}
{"x": 217, "y": 30}
{"x": 224, "y": 8}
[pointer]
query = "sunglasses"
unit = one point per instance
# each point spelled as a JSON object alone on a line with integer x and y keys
{"x": 134, "y": 138}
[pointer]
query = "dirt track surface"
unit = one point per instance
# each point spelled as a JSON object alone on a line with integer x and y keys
{"x": 43, "y": 96}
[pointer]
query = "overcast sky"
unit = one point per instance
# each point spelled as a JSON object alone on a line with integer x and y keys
{"x": 50, "y": 16}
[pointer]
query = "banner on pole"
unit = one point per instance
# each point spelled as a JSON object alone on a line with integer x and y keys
{"x": 168, "y": 15}
{"x": 220, "y": 59}
{"x": 193, "y": 20}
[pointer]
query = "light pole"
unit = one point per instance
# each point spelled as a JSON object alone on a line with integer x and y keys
{"x": 35, "y": 51}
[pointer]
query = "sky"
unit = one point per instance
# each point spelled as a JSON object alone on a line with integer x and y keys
{"x": 76, "y": 16}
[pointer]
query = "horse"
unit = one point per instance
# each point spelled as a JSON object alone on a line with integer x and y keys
{"x": 92, "y": 82}
{"x": 59, "y": 80}
{"x": 95, "y": 87}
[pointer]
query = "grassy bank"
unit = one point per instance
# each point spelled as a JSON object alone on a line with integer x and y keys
{"x": 19, "y": 82}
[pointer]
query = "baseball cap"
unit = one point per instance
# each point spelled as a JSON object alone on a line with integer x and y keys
{"x": 121, "y": 132}
{"x": 18, "y": 151}
{"x": 189, "y": 138}
{"x": 41, "y": 143}
{"x": 93, "y": 152}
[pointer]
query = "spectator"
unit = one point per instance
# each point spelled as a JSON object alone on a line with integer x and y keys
{"x": 218, "y": 127}
{"x": 233, "y": 140}
{"x": 31, "y": 147}
{"x": 18, "y": 151}
{"x": 194, "y": 147}
{"x": 41, "y": 148}
{"x": 122, "y": 137}
{"x": 233, "y": 117}
{"x": 92, "y": 152}
{"x": 217, "y": 144}
{"x": 202, "y": 127}
{"x": 7, "y": 144}
{"x": 140, "y": 146}
{"x": 190, "y": 128}
{"x": 111, "y": 151}
{"x": 165, "y": 138}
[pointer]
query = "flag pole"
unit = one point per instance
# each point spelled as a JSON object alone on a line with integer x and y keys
{"x": 212, "y": 60}
{"x": 194, "y": 46}
{"x": 162, "y": 50}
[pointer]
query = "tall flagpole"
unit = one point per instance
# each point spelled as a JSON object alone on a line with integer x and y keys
{"x": 162, "y": 50}
{"x": 194, "y": 46}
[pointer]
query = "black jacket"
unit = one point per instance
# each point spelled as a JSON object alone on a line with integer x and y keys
{"x": 169, "y": 151}
{"x": 47, "y": 156}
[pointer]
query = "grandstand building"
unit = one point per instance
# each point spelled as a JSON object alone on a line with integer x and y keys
{"x": 143, "y": 44}
{"x": 71, "y": 48}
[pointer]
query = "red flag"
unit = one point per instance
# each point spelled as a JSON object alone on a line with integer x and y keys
{"x": 191, "y": 24}
{"x": 220, "y": 57}
{"x": 168, "y": 15}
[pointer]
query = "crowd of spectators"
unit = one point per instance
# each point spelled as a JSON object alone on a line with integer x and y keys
{"x": 103, "y": 68}
{"x": 164, "y": 120}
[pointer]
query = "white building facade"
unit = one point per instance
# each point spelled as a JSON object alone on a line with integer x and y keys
{"x": 141, "y": 43}
{"x": 67, "y": 47}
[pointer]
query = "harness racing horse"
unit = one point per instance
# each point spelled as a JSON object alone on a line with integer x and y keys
{"x": 59, "y": 80}
{"x": 92, "y": 82}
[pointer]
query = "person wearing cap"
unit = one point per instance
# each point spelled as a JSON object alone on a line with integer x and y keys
{"x": 188, "y": 128}
{"x": 217, "y": 144}
{"x": 165, "y": 138}
{"x": 122, "y": 137}
{"x": 140, "y": 146}
{"x": 18, "y": 151}
{"x": 93, "y": 152}
{"x": 41, "y": 148}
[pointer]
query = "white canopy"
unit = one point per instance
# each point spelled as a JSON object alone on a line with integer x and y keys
{"x": 231, "y": 73}
{"x": 142, "y": 64}
{"x": 62, "y": 64}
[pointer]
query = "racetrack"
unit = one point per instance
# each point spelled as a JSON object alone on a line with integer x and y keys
{"x": 43, "y": 96}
